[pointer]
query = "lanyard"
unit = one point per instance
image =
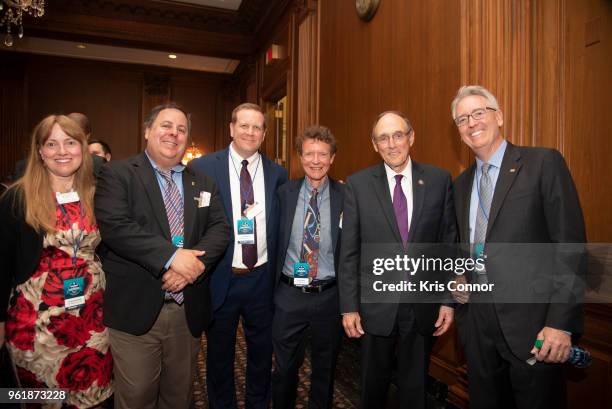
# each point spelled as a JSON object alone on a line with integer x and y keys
{"x": 307, "y": 203}
{"x": 480, "y": 204}
{"x": 76, "y": 241}
{"x": 248, "y": 192}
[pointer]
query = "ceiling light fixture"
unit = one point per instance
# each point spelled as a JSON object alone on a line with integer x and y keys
{"x": 172, "y": 56}
{"x": 81, "y": 46}
{"x": 12, "y": 15}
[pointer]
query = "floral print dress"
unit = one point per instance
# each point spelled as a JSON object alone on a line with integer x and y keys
{"x": 55, "y": 347}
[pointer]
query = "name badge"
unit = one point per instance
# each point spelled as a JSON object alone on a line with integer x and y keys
{"x": 178, "y": 241}
{"x": 69, "y": 197}
{"x": 300, "y": 274}
{"x": 479, "y": 253}
{"x": 203, "y": 200}
{"x": 245, "y": 229}
{"x": 253, "y": 210}
{"x": 74, "y": 293}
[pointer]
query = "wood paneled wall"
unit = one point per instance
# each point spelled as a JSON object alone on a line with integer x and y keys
{"x": 407, "y": 59}
{"x": 114, "y": 96}
{"x": 549, "y": 64}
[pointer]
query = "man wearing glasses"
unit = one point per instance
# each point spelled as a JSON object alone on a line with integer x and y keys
{"x": 388, "y": 209}
{"x": 522, "y": 195}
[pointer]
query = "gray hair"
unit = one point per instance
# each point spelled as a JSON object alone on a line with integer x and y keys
{"x": 467, "y": 90}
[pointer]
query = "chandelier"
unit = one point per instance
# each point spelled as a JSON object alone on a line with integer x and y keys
{"x": 191, "y": 153}
{"x": 12, "y": 15}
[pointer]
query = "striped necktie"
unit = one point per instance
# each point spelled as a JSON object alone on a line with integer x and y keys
{"x": 174, "y": 211}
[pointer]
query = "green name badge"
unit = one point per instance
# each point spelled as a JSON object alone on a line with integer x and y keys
{"x": 300, "y": 274}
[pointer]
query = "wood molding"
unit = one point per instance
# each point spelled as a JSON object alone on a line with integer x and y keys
{"x": 496, "y": 52}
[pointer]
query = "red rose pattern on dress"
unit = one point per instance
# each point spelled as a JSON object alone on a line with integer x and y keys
{"x": 92, "y": 312}
{"x": 69, "y": 330}
{"x": 20, "y": 323}
{"x": 80, "y": 369}
{"x": 37, "y": 321}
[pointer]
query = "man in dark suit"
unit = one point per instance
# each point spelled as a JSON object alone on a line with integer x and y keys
{"x": 163, "y": 228}
{"x": 520, "y": 195}
{"x": 389, "y": 208}
{"x": 306, "y": 295}
{"x": 242, "y": 283}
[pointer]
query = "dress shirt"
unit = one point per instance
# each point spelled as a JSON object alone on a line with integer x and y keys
{"x": 177, "y": 177}
{"x": 326, "y": 254}
{"x": 406, "y": 187}
{"x": 495, "y": 161}
{"x": 255, "y": 168}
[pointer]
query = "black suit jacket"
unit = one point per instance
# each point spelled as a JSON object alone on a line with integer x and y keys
{"x": 535, "y": 201}
{"x": 287, "y": 197}
{"x": 369, "y": 222}
{"x": 21, "y": 246}
{"x": 135, "y": 232}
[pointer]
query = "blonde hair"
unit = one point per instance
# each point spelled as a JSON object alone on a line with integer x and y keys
{"x": 34, "y": 188}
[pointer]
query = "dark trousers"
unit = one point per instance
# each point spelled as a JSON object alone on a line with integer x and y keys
{"x": 497, "y": 378}
{"x": 408, "y": 350}
{"x": 249, "y": 297}
{"x": 296, "y": 315}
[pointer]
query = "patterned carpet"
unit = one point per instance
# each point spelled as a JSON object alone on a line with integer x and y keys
{"x": 345, "y": 388}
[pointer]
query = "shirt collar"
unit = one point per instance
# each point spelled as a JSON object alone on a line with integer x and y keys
{"x": 496, "y": 159}
{"x": 407, "y": 172}
{"x": 238, "y": 159}
{"x": 320, "y": 189}
{"x": 178, "y": 168}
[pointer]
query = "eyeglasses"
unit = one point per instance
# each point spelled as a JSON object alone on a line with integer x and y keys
{"x": 476, "y": 115}
{"x": 398, "y": 136}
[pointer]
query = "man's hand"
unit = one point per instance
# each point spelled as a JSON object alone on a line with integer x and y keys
{"x": 445, "y": 319}
{"x": 461, "y": 297}
{"x": 351, "y": 321}
{"x": 556, "y": 347}
{"x": 186, "y": 263}
{"x": 1, "y": 334}
{"x": 173, "y": 281}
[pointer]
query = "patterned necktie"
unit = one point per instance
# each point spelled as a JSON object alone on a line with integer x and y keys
{"x": 249, "y": 251}
{"x": 485, "y": 195}
{"x": 400, "y": 207}
{"x": 312, "y": 230}
{"x": 174, "y": 211}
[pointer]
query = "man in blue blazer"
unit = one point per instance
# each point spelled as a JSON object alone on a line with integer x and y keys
{"x": 241, "y": 286}
{"x": 309, "y": 238}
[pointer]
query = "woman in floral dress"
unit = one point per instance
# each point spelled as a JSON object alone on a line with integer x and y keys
{"x": 51, "y": 282}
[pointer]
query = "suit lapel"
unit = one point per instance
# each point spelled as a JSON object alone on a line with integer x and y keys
{"x": 269, "y": 185}
{"x": 381, "y": 187}
{"x": 463, "y": 203}
{"x": 418, "y": 196}
{"x": 335, "y": 198}
{"x": 222, "y": 178}
{"x": 510, "y": 167}
{"x": 291, "y": 199}
{"x": 190, "y": 192}
{"x": 145, "y": 171}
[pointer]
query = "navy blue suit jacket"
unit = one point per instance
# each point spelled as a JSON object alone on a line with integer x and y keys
{"x": 288, "y": 197}
{"x": 216, "y": 165}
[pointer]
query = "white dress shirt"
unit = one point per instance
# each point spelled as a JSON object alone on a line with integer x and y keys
{"x": 406, "y": 186}
{"x": 255, "y": 168}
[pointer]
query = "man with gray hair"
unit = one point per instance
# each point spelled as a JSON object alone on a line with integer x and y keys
{"x": 514, "y": 194}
